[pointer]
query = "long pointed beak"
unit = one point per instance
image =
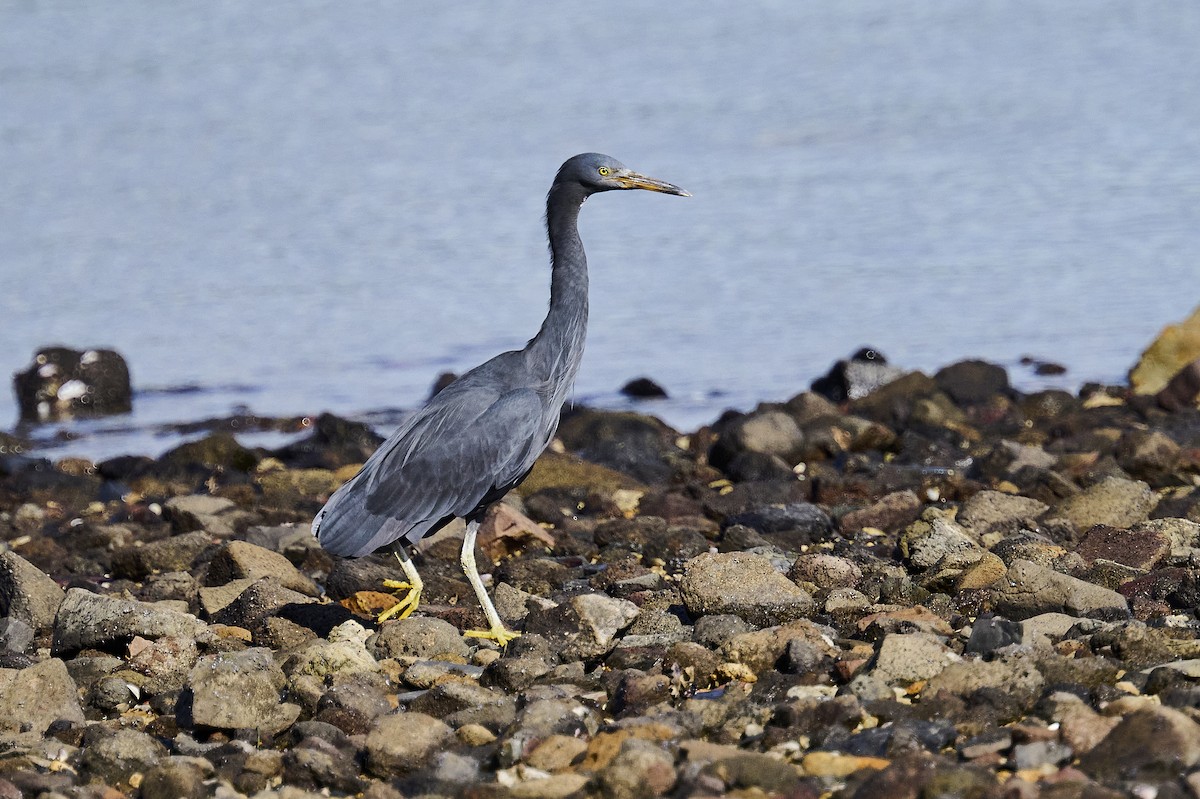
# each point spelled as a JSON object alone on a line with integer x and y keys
{"x": 633, "y": 180}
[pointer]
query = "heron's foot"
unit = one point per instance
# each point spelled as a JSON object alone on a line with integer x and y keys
{"x": 407, "y": 604}
{"x": 498, "y": 634}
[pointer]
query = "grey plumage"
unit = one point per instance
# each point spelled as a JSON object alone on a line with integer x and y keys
{"x": 479, "y": 437}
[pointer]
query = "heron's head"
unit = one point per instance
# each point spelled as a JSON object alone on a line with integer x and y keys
{"x": 596, "y": 172}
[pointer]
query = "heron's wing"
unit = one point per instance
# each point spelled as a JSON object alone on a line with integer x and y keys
{"x": 459, "y": 449}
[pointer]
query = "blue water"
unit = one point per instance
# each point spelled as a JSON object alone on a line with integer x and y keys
{"x": 296, "y": 207}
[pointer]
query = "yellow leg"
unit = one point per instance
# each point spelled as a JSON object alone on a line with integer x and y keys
{"x": 409, "y": 603}
{"x": 498, "y": 632}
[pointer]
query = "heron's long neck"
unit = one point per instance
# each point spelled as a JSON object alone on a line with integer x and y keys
{"x": 557, "y": 348}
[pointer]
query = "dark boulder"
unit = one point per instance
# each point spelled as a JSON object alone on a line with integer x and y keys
{"x": 972, "y": 382}
{"x": 334, "y": 442}
{"x": 643, "y": 388}
{"x": 637, "y": 445}
{"x": 63, "y": 383}
{"x": 856, "y": 377}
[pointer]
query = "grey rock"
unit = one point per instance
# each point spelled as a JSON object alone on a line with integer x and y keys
{"x": 712, "y": 631}
{"x": 768, "y": 432}
{"x": 1037, "y": 754}
{"x": 345, "y": 652}
{"x": 115, "y": 757}
{"x": 237, "y": 690}
{"x": 990, "y": 634}
{"x": 992, "y": 511}
{"x": 316, "y": 764}
{"x": 1030, "y": 590}
{"x": 1113, "y": 501}
{"x": 1183, "y": 534}
{"x": 585, "y": 626}
{"x": 255, "y": 604}
{"x": 419, "y": 637}
{"x": 404, "y": 742}
{"x": 90, "y": 621}
{"x": 743, "y": 584}
{"x": 790, "y": 525}
{"x": 26, "y": 593}
{"x": 15, "y": 635}
{"x": 1011, "y": 674}
{"x": 31, "y": 699}
{"x": 165, "y": 663}
{"x": 937, "y": 541}
{"x": 200, "y": 512}
{"x": 176, "y": 553}
{"x": 240, "y": 560}
{"x": 908, "y": 657}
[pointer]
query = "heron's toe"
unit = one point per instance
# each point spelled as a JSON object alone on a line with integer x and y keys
{"x": 500, "y": 635}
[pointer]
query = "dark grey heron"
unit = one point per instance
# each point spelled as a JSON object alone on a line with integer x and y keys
{"x": 478, "y": 438}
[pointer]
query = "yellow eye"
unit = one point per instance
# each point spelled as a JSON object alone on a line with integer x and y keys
{"x": 604, "y": 171}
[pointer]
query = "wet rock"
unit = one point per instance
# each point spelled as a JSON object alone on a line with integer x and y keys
{"x": 62, "y": 383}
{"x": 27, "y": 594}
{"x": 176, "y": 553}
{"x": 240, "y": 560}
{"x": 790, "y": 526}
{"x": 1142, "y": 549}
{"x": 114, "y": 758}
{"x": 1030, "y": 589}
{"x": 404, "y": 742}
{"x": 90, "y": 621}
{"x": 333, "y": 443}
{"x": 585, "y": 626}
{"x": 972, "y": 382}
{"x": 192, "y": 512}
{"x": 1113, "y": 501}
{"x": 742, "y": 584}
{"x": 643, "y": 388}
{"x": 856, "y": 377}
{"x": 639, "y": 446}
{"x": 33, "y": 698}
{"x": 215, "y": 451}
{"x": 253, "y": 677}
{"x": 419, "y": 637}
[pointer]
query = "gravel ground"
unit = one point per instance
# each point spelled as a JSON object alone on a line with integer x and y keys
{"x": 943, "y": 588}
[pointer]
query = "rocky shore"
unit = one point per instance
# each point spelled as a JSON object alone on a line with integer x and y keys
{"x": 940, "y": 588}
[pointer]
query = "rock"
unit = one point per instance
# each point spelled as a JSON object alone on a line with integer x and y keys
{"x": 344, "y": 653}
{"x": 164, "y": 663}
{"x": 200, "y": 512}
{"x": 762, "y": 650}
{"x": 1031, "y": 589}
{"x": 176, "y": 553}
{"x": 215, "y": 451}
{"x": 826, "y": 571}
{"x": 936, "y": 541}
{"x": 641, "y": 769}
{"x": 33, "y": 698}
{"x": 1182, "y": 390}
{"x": 767, "y": 432}
{"x": 1013, "y": 675}
{"x": 253, "y": 603}
{"x": 790, "y": 526}
{"x": 404, "y": 742}
{"x": 643, "y": 388}
{"x": 585, "y": 626}
{"x": 419, "y": 637}
{"x": 1148, "y": 455}
{"x": 994, "y": 511}
{"x": 1142, "y": 549}
{"x": 742, "y": 584}
{"x": 854, "y": 378}
{"x": 116, "y": 758}
{"x": 1149, "y": 745}
{"x": 890, "y": 513}
{"x": 27, "y": 594}
{"x": 972, "y": 382}
{"x": 1113, "y": 501}
{"x": 906, "y": 658}
{"x": 174, "y": 778}
{"x": 252, "y": 677}
{"x": 316, "y": 764}
{"x": 630, "y": 443}
{"x": 1184, "y": 535}
{"x": 62, "y": 383}
{"x": 1175, "y": 347}
{"x": 240, "y": 560}
{"x": 89, "y": 621}
{"x": 992, "y": 633}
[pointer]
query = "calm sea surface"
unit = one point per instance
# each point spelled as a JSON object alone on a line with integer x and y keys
{"x": 306, "y": 206}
